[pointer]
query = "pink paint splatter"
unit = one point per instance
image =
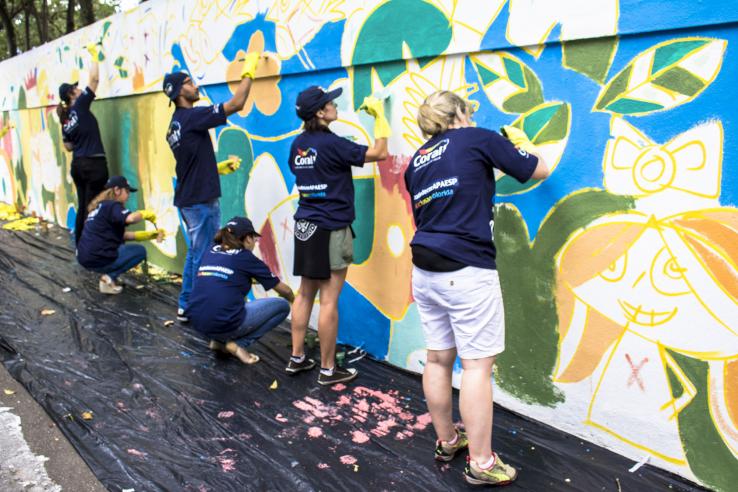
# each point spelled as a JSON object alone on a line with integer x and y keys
{"x": 347, "y": 459}
{"x": 315, "y": 432}
{"x": 383, "y": 427}
{"x": 136, "y": 453}
{"x": 280, "y": 418}
{"x": 227, "y": 464}
{"x": 226, "y": 415}
{"x": 339, "y": 387}
{"x": 257, "y": 403}
{"x": 422, "y": 421}
{"x": 323, "y": 466}
{"x": 359, "y": 437}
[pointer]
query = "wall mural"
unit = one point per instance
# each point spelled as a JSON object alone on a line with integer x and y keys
{"x": 620, "y": 272}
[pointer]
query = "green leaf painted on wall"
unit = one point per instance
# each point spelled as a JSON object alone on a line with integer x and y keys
{"x": 548, "y": 123}
{"x": 510, "y": 85}
{"x": 376, "y": 42}
{"x": 663, "y": 77}
{"x": 709, "y": 458}
{"x": 233, "y": 141}
{"x": 363, "y": 225}
{"x": 591, "y": 57}
{"x": 528, "y": 279}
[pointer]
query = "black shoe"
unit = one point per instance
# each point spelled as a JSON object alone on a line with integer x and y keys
{"x": 181, "y": 316}
{"x": 340, "y": 375}
{"x": 295, "y": 367}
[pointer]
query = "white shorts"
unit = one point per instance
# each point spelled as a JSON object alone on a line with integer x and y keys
{"x": 461, "y": 309}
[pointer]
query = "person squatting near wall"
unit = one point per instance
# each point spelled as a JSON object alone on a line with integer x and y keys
{"x": 197, "y": 190}
{"x": 321, "y": 162}
{"x": 102, "y": 247}
{"x": 81, "y": 136}
{"x": 455, "y": 284}
{"x": 217, "y": 308}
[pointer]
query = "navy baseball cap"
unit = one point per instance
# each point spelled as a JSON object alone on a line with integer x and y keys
{"x": 240, "y": 227}
{"x": 312, "y": 99}
{"x": 173, "y": 84}
{"x": 120, "y": 182}
{"x": 64, "y": 90}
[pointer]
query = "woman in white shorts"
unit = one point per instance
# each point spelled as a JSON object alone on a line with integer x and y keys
{"x": 455, "y": 283}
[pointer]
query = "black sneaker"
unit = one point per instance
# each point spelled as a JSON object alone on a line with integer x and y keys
{"x": 181, "y": 316}
{"x": 340, "y": 375}
{"x": 295, "y": 367}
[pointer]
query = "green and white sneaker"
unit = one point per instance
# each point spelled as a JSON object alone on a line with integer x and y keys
{"x": 497, "y": 474}
{"x": 446, "y": 451}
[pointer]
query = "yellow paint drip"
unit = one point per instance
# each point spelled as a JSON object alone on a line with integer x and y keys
{"x": 22, "y": 224}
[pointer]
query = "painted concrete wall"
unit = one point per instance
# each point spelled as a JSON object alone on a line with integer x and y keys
{"x": 620, "y": 272}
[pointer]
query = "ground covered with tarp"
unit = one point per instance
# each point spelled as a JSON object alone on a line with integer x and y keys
{"x": 149, "y": 407}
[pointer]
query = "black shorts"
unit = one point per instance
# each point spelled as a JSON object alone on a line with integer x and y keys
{"x": 312, "y": 255}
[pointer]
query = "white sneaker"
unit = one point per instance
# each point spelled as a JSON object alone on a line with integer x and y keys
{"x": 108, "y": 286}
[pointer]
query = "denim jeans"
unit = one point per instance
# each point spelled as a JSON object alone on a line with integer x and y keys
{"x": 129, "y": 255}
{"x": 261, "y": 316}
{"x": 202, "y": 222}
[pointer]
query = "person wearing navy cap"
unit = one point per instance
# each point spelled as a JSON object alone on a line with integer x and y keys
{"x": 197, "y": 189}
{"x": 81, "y": 136}
{"x": 101, "y": 247}
{"x": 217, "y": 308}
{"x": 451, "y": 182}
{"x": 321, "y": 162}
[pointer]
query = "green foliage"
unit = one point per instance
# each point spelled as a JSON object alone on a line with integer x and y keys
{"x": 709, "y": 458}
{"x": 57, "y": 22}
{"x": 528, "y": 279}
{"x": 377, "y": 43}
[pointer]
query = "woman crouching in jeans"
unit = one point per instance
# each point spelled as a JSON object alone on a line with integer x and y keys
{"x": 217, "y": 308}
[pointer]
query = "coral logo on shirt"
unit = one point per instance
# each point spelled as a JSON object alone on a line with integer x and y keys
{"x": 305, "y": 159}
{"x": 174, "y": 134}
{"x": 430, "y": 154}
{"x": 71, "y": 122}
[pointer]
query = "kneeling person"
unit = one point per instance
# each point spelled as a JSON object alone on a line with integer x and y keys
{"x": 101, "y": 246}
{"x": 217, "y": 308}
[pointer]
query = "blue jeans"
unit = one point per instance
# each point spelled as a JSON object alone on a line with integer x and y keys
{"x": 261, "y": 316}
{"x": 202, "y": 222}
{"x": 129, "y": 255}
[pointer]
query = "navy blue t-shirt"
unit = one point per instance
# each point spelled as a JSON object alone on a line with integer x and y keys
{"x": 321, "y": 162}
{"x": 197, "y": 170}
{"x": 102, "y": 235}
{"x": 452, "y": 186}
{"x": 223, "y": 281}
{"x": 81, "y": 128}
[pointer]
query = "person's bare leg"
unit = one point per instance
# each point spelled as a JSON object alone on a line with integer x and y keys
{"x": 301, "y": 309}
{"x": 438, "y": 392}
{"x": 475, "y": 402}
{"x": 328, "y": 318}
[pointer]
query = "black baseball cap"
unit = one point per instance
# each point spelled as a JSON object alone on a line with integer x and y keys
{"x": 312, "y": 99}
{"x": 64, "y": 90}
{"x": 173, "y": 83}
{"x": 240, "y": 227}
{"x": 120, "y": 182}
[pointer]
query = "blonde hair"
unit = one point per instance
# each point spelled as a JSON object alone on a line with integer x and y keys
{"x": 106, "y": 194}
{"x": 440, "y": 110}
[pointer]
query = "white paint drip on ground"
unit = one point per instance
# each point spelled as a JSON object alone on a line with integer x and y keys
{"x": 20, "y": 469}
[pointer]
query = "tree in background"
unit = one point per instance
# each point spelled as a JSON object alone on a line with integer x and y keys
{"x": 25, "y": 24}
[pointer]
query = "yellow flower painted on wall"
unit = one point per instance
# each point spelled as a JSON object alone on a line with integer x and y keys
{"x": 265, "y": 92}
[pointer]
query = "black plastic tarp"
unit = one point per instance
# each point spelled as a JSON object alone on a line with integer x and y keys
{"x": 168, "y": 414}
